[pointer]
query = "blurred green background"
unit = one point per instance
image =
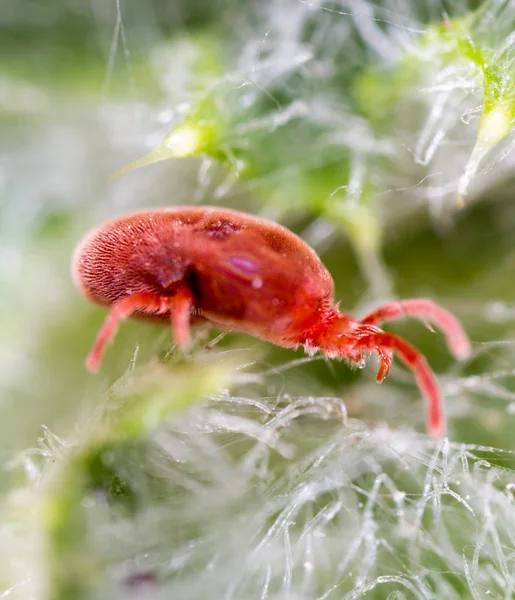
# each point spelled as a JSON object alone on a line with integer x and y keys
{"x": 352, "y": 123}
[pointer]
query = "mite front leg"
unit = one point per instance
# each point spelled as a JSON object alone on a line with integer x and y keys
{"x": 385, "y": 356}
{"x": 385, "y": 362}
{"x": 429, "y": 311}
{"x": 386, "y": 343}
{"x": 122, "y": 309}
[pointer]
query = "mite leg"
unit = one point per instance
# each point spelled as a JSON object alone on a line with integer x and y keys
{"x": 367, "y": 332}
{"x": 144, "y": 301}
{"x": 385, "y": 362}
{"x": 384, "y": 344}
{"x": 181, "y": 305}
{"x": 429, "y": 311}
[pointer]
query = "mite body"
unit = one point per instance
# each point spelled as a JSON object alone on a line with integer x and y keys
{"x": 193, "y": 265}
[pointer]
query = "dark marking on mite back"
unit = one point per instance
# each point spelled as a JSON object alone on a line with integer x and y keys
{"x": 221, "y": 229}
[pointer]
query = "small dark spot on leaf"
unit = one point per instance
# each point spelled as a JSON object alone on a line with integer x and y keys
{"x": 142, "y": 579}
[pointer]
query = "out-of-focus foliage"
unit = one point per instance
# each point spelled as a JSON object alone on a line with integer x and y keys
{"x": 381, "y": 133}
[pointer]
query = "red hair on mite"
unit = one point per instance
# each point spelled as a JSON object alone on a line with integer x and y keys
{"x": 185, "y": 266}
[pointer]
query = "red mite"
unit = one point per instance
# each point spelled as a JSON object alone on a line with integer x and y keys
{"x": 188, "y": 265}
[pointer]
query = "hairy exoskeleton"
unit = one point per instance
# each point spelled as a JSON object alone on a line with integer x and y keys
{"x": 186, "y": 266}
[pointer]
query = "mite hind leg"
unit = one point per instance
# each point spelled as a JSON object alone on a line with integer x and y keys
{"x": 179, "y": 305}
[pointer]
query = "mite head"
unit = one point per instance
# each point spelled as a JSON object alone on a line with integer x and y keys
{"x": 341, "y": 336}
